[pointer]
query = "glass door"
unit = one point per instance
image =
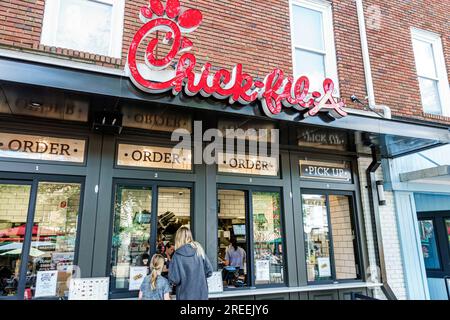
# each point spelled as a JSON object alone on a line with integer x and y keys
{"x": 38, "y": 236}
{"x": 146, "y": 218}
{"x": 14, "y": 207}
{"x": 331, "y": 246}
{"x": 250, "y": 239}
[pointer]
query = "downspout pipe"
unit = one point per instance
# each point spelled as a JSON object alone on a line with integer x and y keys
{"x": 375, "y": 215}
{"x": 366, "y": 62}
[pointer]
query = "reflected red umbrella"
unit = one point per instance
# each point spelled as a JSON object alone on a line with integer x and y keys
{"x": 20, "y": 231}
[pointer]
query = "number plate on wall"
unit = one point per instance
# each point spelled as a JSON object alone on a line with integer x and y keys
{"x": 153, "y": 157}
{"x": 21, "y": 146}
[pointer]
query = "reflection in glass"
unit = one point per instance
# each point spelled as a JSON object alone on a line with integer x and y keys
{"x": 429, "y": 245}
{"x": 424, "y": 54}
{"x": 317, "y": 238}
{"x": 131, "y": 237}
{"x": 14, "y": 200}
{"x": 232, "y": 259}
{"x": 84, "y": 26}
{"x": 430, "y": 96}
{"x": 174, "y": 211}
{"x": 343, "y": 238}
{"x": 308, "y": 28}
{"x": 54, "y": 234}
{"x": 268, "y": 242}
{"x": 312, "y": 65}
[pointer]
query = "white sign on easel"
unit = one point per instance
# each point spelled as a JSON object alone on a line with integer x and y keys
{"x": 262, "y": 270}
{"x": 137, "y": 275}
{"x": 215, "y": 284}
{"x": 46, "y": 282}
{"x": 89, "y": 289}
{"x": 324, "y": 266}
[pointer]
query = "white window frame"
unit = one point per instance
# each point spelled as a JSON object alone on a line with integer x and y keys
{"x": 50, "y": 23}
{"x": 329, "y": 51}
{"x": 443, "y": 85}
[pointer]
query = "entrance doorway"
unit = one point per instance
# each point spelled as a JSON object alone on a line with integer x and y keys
{"x": 331, "y": 246}
{"x": 146, "y": 217}
{"x": 39, "y": 219}
{"x": 250, "y": 237}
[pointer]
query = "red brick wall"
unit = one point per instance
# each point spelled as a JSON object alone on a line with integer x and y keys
{"x": 256, "y": 33}
{"x": 391, "y": 53}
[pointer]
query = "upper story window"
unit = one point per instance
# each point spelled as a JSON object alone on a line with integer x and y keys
{"x": 431, "y": 72}
{"x": 313, "y": 42}
{"x": 93, "y": 26}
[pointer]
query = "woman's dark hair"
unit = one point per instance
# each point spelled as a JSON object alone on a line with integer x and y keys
{"x": 146, "y": 256}
{"x": 233, "y": 242}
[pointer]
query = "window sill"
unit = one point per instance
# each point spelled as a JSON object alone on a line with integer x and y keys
{"x": 319, "y": 287}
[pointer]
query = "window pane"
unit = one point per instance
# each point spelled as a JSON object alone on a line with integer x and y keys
{"x": 311, "y": 65}
{"x": 423, "y": 52}
{"x": 174, "y": 211}
{"x": 14, "y": 201}
{"x": 308, "y": 28}
{"x": 54, "y": 235}
{"x": 317, "y": 238}
{"x": 430, "y": 96}
{"x": 131, "y": 238}
{"x": 343, "y": 237}
{"x": 268, "y": 242}
{"x": 429, "y": 245}
{"x": 232, "y": 238}
{"x": 84, "y": 25}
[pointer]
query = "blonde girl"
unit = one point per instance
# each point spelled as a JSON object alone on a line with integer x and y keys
{"x": 155, "y": 286}
{"x": 190, "y": 267}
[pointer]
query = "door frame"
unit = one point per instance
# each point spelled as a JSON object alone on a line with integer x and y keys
{"x": 249, "y": 189}
{"x": 154, "y": 185}
{"x": 33, "y": 180}
{"x": 354, "y": 223}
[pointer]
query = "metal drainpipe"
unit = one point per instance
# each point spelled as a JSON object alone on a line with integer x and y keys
{"x": 375, "y": 217}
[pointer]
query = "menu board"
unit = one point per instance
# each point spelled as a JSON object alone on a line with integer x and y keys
{"x": 46, "y": 283}
{"x": 215, "y": 284}
{"x": 137, "y": 275}
{"x": 324, "y": 266}
{"x": 262, "y": 270}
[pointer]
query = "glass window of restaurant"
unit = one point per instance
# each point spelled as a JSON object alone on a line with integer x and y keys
{"x": 329, "y": 205}
{"x": 147, "y": 209}
{"x": 39, "y": 219}
{"x": 250, "y": 238}
{"x": 146, "y": 218}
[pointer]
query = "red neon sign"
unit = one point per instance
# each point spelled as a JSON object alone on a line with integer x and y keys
{"x": 275, "y": 92}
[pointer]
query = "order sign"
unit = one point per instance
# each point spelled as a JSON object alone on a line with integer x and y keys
{"x": 21, "y": 146}
{"x": 153, "y": 157}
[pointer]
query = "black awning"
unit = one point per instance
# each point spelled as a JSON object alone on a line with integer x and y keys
{"x": 396, "y": 136}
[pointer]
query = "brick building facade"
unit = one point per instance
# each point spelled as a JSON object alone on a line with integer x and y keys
{"x": 262, "y": 36}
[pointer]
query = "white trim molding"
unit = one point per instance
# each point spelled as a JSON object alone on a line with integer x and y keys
{"x": 329, "y": 52}
{"x": 52, "y": 17}
{"x": 439, "y": 61}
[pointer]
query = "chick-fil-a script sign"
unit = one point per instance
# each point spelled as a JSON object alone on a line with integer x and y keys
{"x": 153, "y": 74}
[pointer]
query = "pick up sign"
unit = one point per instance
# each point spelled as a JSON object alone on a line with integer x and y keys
{"x": 325, "y": 172}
